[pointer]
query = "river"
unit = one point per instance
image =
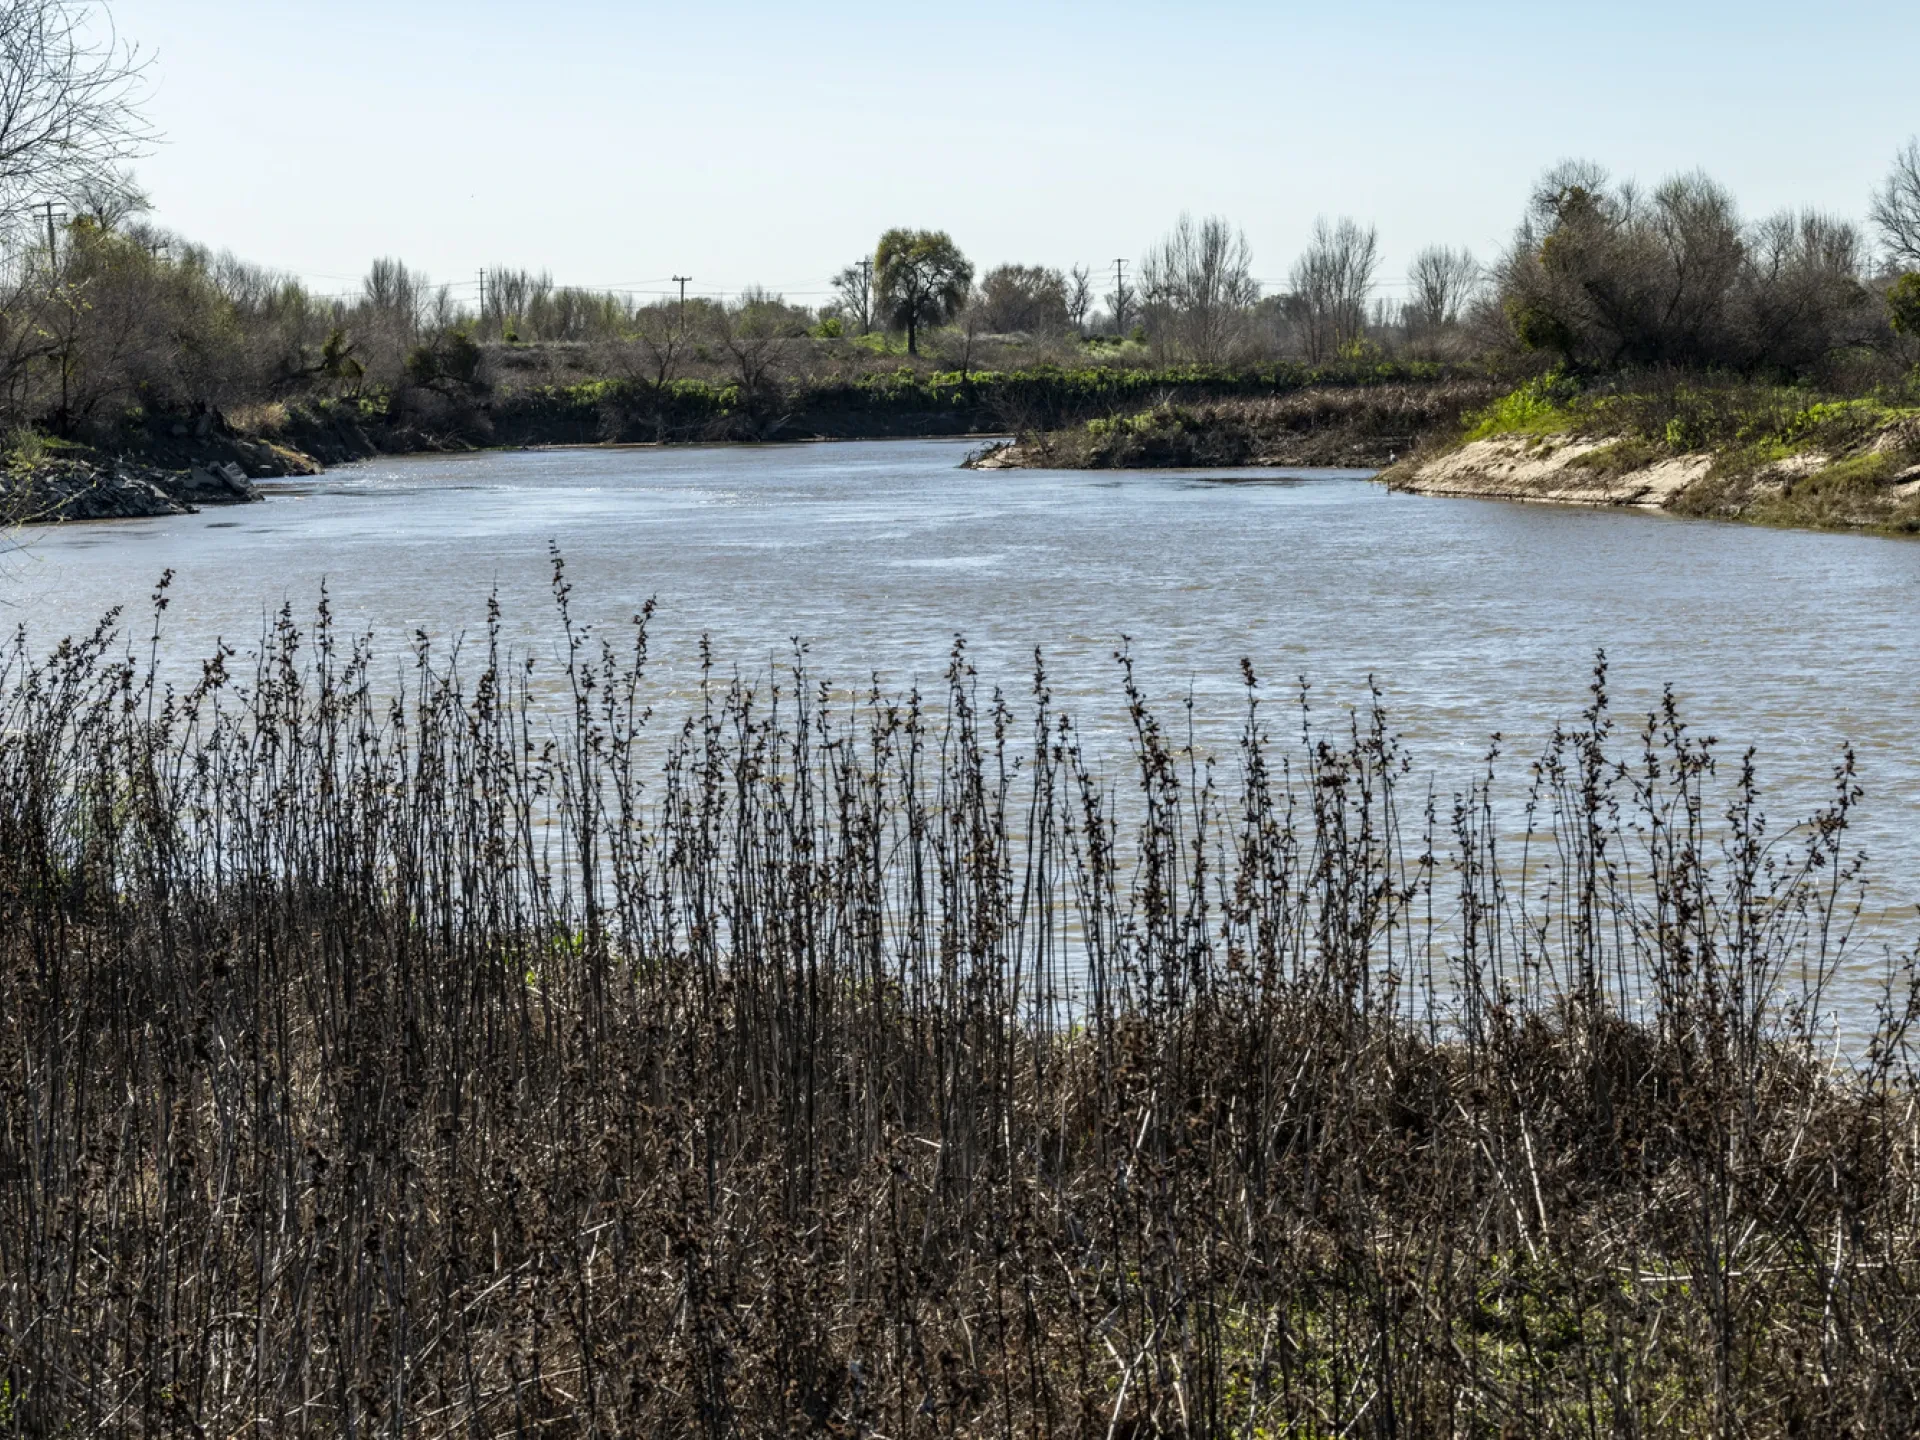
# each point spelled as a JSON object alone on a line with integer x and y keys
{"x": 1476, "y": 616}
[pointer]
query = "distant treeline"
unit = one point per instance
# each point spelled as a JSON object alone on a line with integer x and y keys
{"x": 111, "y": 327}
{"x": 107, "y": 323}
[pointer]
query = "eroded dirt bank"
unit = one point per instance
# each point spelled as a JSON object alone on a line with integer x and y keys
{"x": 1856, "y": 477}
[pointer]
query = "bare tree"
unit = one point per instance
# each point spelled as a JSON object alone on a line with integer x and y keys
{"x": 1079, "y": 297}
{"x": 1197, "y": 285}
{"x": 1331, "y": 283}
{"x": 108, "y": 198}
{"x": 511, "y": 294}
{"x": 854, "y": 287}
{"x": 70, "y": 93}
{"x": 1439, "y": 283}
{"x": 972, "y": 321}
{"x": 1799, "y": 297}
{"x": 396, "y": 295}
{"x": 1609, "y": 276}
{"x": 1895, "y": 210}
{"x": 756, "y": 332}
{"x": 660, "y": 337}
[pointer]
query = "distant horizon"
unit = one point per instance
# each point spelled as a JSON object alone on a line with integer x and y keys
{"x": 1053, "y": 135}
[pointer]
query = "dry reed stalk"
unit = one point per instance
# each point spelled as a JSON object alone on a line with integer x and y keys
{"x": 409, "y": 1066}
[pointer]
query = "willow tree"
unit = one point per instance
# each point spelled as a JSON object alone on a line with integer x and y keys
{"x": 919, "y": 278}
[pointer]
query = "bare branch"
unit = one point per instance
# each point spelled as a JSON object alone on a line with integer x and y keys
{"x": 1331, "y": 283}
{"x": 1895, "y": 210}
{"x": 70, "y": 95}
{"x": 1440, "y": 281}
{"x": 1197, "y": 286}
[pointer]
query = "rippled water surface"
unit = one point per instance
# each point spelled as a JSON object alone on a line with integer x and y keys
{"x": 1476, "y": 616}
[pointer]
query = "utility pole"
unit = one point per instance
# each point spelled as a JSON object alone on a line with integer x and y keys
{"x": 483, "y": 299}
{"x": 53, "y": 248}
{"x": 866, "y": 295}
{"x": 1120, "y": 298}
{"x": 683, "y": 279}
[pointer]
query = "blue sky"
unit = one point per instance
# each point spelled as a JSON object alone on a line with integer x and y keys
{"x": 618, "y": 144}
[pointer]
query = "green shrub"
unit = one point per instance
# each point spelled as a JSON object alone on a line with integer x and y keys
{"x": 1537, "y": 328}
{"x": 1903, "y": 304}
{"x": 1539, "y": 407}
{"x": 453, "y": 358}
{"x": 25, "y": 448}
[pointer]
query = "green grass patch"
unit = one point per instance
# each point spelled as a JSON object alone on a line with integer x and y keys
{"x": 1538, "y": 408}
{"x": 26, "y": 448}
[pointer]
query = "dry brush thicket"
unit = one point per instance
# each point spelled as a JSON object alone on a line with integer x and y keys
{"x": 825, "y": 1064}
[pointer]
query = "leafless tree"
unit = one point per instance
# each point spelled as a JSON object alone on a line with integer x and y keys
{"x": 511, "y": 294}
{"x": 1079, "y": 297}
{"x": 659, "y": 342}
{"x": 442, "y": 312}
{"x": 1331, "y": 282}
{"x": 854, "y": 287}
{"x": 1197, "y": 285}
{"x": 395, "y": 295}
{"x": 26, "y": 343}
{"x": 1800, "y": 295}
{"x": 70, "y": 95}
{"x": 1895, "y": 211}
{"x": 1439, "y": 283}
{"x": 972, "y": 321}
{"x": 756, "y": 331}
{"x": 108, "y": 198}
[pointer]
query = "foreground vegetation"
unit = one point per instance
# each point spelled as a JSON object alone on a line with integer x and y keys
{"x": 869, "y": 1065}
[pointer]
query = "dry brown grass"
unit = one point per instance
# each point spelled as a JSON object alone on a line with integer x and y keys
{"x": 411, "y": 1068}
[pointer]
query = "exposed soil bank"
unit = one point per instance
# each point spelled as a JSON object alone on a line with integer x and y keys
{"x": 1574, "y": 472}
{"x": 1858, "y": 470}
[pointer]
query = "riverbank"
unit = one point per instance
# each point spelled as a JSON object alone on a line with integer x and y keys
{"x": 1278, "y": 414}
{"x": 45, "y": 482}
{"x": 1758, "y": 454}
{"x": 1362, "y": 427}
{"x": 1761, "y": 454}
